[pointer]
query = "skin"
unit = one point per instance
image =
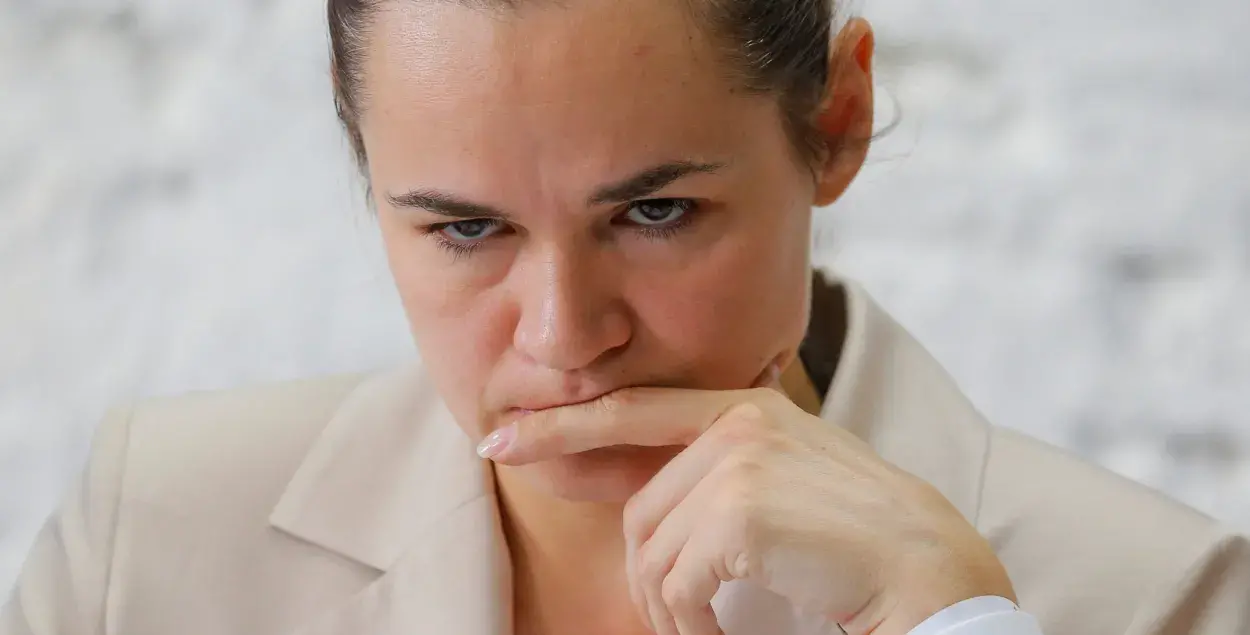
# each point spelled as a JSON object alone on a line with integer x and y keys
{"x": 564, "y": 286}
{"x": 575, "y": 300}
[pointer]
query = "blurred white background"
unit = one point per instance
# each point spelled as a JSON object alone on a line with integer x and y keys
{"x": 1063, "y": 217}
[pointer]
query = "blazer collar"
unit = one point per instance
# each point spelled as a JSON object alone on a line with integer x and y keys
{"x": 390, "y": 465}
{"x": 889, "y": 391}
{"x": 394, "y": 484}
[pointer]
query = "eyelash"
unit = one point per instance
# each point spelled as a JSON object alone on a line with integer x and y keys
{"x": 455, "y": 248}
{"x": 690, "y": 207}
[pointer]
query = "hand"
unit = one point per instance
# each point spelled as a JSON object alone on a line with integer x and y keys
{"x": 767, "y": 492}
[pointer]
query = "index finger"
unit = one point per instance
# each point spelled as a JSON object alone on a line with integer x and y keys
{"x": 652, "y": 417}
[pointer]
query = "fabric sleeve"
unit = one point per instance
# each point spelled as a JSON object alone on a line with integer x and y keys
{"x": 63, "y": 586}
{"x": 1212, "y": 596}
{"x": 986, "y": 615}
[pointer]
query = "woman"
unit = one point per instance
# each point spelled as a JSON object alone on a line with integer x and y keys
{"x": 598, "y": 215}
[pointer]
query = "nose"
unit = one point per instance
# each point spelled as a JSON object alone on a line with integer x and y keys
{"x": 571, "y": 313}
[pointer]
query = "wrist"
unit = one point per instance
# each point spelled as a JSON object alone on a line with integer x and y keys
{"x": 921, "y": 592}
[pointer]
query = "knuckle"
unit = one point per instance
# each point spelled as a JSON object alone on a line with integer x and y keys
{"x": 767, "y": 395}
{"x": 757, "y": 453}
{"x": 608, "y": 403}
{"x": 750, "y": 463}
{"x": 738, "y": 431}
{"x": 677, "y": 594}
{"x": 734, "y": 501}
{"x": 536, "y": 429}
{"x": 731, "y": 434}
{"x": 529, "y": 429}
{"x": 745, "y": 468}
{"x": 652, "y": 565}
{"x": 740, "y": 507}
{"x": 751, "y": 432}
{"x": 748, "y": 413}
{"x": 617, "y": 400}
{"x": 634, "y": 517}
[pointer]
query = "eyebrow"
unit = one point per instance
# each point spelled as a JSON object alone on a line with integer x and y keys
{"x": 640, "y": 185}
{"x": 650, "y": 181}
{"x": 443, "y": 204}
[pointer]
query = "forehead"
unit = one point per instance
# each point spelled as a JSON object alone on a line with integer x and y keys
{"x": 590, "y": 83}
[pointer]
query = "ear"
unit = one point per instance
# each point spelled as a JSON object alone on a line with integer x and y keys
{"x": 845, "y": 117}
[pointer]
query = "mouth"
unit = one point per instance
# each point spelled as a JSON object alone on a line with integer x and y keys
{"x": 536, "y": 406}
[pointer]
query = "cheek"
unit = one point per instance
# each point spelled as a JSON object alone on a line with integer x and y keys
{"x": 460, "y": 361}
{"x": 461, "y": 350}
{"x": 461, "y": 329}
{"x": 732, "y": 311}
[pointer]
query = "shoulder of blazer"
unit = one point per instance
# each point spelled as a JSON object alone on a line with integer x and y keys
{"x": 230, "y": 452}
{"x": 1088, "y": 550}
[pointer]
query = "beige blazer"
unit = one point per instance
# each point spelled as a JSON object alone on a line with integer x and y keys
{"x": 355, "y": 506}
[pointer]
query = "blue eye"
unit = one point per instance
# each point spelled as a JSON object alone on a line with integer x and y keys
{"x": 467, "y": 231}
{"x": 655, "y": 219}
{"x": 661, "y": 218}
{"x": 659, "y": 212}
{"x": 463, "y": 237}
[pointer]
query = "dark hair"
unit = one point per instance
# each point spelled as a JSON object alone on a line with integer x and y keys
{"x": 772, "y": 46}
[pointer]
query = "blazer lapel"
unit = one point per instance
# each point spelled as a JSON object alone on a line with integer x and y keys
{"x": 891, "y": 393}
{"x": 455, "y": 579}
{"x": 393, "y": 483}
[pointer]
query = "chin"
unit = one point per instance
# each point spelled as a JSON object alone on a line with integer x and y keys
{"x": 606, "y": 475}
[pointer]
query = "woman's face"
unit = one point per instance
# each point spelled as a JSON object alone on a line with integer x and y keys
{"x": 576, "y": 199}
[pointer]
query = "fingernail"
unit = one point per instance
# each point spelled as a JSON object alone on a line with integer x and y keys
{"x": 496, "y": 442}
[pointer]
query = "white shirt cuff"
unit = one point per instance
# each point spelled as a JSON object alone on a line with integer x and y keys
{"x": 987, "y": 615}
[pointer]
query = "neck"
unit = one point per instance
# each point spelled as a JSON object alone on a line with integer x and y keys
{"x": 544, "y": 529}
{"x": 567, "y": 561}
